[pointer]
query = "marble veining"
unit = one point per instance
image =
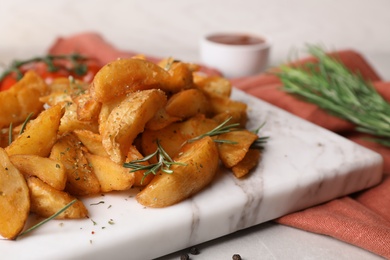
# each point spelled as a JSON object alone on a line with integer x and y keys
{"x": 302, "y": 165}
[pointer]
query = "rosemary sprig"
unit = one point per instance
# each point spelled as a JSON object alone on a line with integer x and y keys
{"x": 10, "y": 133}
{"x": 220, "y": 129}
{"x": 48, "y": 219}
{"x": 164, "y": 163}
{"x": 10, "y": 129}
{"x": 330, "y": 85}
{"x": 25, "y": 123}
{"x": 261, "y": 141}
{"x": 78, "y": 67}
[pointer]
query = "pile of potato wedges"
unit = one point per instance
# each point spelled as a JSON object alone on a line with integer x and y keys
{"x": 81, "y": 135}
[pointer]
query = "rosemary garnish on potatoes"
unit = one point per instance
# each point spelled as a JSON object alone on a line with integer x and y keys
{"x": 49, "y": 218}
{"x": 261, "y": 141}
{"x": 330, "y": 85}
{"x": 164, "y": 163}
{"x": 10, "y": 129}
{"x": 220, "y": 129}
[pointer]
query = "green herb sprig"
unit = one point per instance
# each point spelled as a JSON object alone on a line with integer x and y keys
{"x": 330, "y": 85}
{"x": 48, "y": 219}
{"x": 220, "y": 129}
{"x": 261, "y": 141}
{"x": 77, "y": 61}
{"x": 164, "y": 163}
{"x": 10, "y": 129}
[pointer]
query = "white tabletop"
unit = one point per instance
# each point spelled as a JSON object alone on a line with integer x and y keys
{"x": 173, "y": 28}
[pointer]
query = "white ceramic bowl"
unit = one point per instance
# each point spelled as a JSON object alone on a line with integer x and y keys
{"x": 235, "y": 54}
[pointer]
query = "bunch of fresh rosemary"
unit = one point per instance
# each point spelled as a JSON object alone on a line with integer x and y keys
{"x": 330, "y": 85}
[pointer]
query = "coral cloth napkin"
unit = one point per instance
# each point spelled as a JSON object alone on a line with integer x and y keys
{"x": 361, "y": 219}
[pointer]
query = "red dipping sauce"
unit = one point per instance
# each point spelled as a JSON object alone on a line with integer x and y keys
{"x": 235, "y": 39}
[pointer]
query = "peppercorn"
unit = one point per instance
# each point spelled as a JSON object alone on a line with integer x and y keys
{"x": 194, "y": 251}
{"x": 236, "y": 257}
{"x": 184, "y": 257}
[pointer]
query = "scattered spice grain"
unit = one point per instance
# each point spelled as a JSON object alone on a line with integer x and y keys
{"x": 236, "y": 257}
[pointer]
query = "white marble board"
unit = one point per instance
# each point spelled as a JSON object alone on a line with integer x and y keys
{"x": 302, "y": 165}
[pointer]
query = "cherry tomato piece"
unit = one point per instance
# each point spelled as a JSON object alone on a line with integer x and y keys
{"x": 62, "y": 69}
{"x": 8, "y": 82}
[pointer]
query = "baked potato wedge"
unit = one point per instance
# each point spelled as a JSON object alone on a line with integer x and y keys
{"x": 22, "y": 99}
{"x": 214, "y": 85}
{"x": 198, "y": 164}
{"x": 175, "y": 135}
{"x": 124, "y": 76}
{"x": 81, "y": 179}
{"x": 161, "y": 119}
{"x": 234, "y": 117}
{"x": 46, "y": 201}
{"x": 187, "y": 103}
{"x": 71, "y": 122}
{"x": 40, "y": 134}
{"x": 111, "y": 176}
{"x": 181, "y": 76}
{"x": 128, "y": 119}
{"x": 233, "y": 153}
{"x": 88, "y": 109}
{"x": 92, "y": 141}
{"x": 48, "y": 170}
{"x": 251, "y": 159}
{"x": 139, "y": 178}
{"x": 220, "y": 104}
{"x": 14, "y": 198}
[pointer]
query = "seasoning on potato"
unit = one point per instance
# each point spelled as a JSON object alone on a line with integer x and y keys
{"x": 164, "y": 128}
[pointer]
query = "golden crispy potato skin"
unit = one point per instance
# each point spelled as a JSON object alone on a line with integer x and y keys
{"x": 231, "y": 154}
{"x": 139, "y": 179}
{"x": 175, "y": 135}
{"x": 187, "y": 103}
{"x": 127, "y": 75}
{"x": 92, "y": 141}
{"x": 111, "y": 176}
{"x": 48, "y": 170}
{"x": 81, "y": 180}
{"x": 14, "y": 198}
{"x": 199, "y": 167}
{"x": 40, "y": 134}
{"x": 22, "y": 99}
{"x": 46, "y": 201}
{"x": 251, "y": 159}
{"x": 128, "y": 119}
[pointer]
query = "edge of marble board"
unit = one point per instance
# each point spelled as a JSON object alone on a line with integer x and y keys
{"x": 268, "y": 193}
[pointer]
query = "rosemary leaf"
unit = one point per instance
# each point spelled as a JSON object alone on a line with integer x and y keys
{"x": 25, "y": 123}
{"x": 330, "y": 85}
{"x": 164, "y": 162}
{"x": 220, "y": 129}
{"x": 48, "y": 219}
{"x": 259, "y": 143}
{"x": 10, "y": 135}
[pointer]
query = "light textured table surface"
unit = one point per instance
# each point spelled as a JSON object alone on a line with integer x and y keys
{"x": 173, "y": 28}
